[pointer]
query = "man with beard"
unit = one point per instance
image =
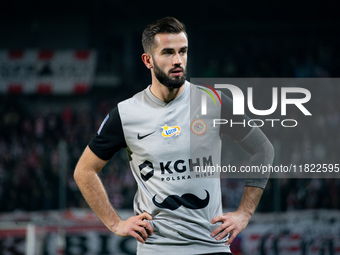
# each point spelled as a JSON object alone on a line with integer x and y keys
{"x": 182, "y": 216}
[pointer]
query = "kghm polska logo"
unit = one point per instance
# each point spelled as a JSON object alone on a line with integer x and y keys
{"x": 170, "y": 131}
{"x": 198, "y": 127}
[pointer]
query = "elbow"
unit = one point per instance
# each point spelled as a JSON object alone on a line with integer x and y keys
{"x": 77, "y": 174}
{"x": 83, "y": 173}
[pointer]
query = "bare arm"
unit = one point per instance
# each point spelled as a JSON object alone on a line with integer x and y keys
{"x": 250, "y": 199}
{"x": 95, "y": 195}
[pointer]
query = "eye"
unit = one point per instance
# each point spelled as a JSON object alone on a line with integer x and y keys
{"x": 167, "y": 53}
{"x": 184, "y": 51}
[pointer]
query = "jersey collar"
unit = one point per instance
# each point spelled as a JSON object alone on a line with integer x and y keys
{"x": 159, "y": 102}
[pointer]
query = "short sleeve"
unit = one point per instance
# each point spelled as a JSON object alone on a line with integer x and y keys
{"x": 110, "y": 137}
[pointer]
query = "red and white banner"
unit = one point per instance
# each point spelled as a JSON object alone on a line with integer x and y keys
{"x": 305, "y": 232}
{"x": 46, "y": 72}
{"x": 289, "y": 233}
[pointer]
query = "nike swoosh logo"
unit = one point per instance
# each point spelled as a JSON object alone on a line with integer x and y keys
{"x": 143, "y": 136}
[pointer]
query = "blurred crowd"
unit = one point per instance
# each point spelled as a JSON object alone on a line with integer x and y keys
{"x": 30, "y": 145}
{"x": 30, "y": 159}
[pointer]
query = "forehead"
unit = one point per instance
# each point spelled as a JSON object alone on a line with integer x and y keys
{"x": 173, "y": 41}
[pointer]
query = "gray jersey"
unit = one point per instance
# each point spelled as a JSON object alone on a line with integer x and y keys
{"x": 158, "y": 137}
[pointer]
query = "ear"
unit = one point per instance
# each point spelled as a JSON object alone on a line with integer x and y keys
{"x": 147, "y": 59}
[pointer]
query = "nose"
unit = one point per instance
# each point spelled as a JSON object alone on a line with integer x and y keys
{"x": 177, "y": 59}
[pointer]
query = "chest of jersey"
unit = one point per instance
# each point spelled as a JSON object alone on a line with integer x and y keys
{"x": 167, "y": 142}
{"x": 157, "y": 134}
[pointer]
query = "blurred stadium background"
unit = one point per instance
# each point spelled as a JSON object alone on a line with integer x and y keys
{"x": 65, "y": 64}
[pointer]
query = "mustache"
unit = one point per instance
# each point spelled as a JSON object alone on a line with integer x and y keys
{"x": 176, "y": 67}
{"x": 188, "y": 200}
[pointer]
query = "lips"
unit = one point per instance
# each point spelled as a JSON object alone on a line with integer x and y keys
{"x": 177, "y": 71}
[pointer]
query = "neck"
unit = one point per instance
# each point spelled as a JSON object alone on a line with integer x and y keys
{"x": 164, "y": 93}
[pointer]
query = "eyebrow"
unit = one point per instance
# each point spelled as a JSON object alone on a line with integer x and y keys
{"x": 171, "y": 49}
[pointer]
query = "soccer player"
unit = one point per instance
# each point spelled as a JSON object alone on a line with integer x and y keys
{"x": 175, "y": 212}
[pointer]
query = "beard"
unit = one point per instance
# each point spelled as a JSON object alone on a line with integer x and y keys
{"x": 171, "y": 83}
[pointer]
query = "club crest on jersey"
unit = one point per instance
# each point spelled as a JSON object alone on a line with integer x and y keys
{"x": 198, "y": 127}
{"x": 170, "y": 131}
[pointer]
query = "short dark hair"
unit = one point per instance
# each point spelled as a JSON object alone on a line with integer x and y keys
{"x": 164, "y": 25}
